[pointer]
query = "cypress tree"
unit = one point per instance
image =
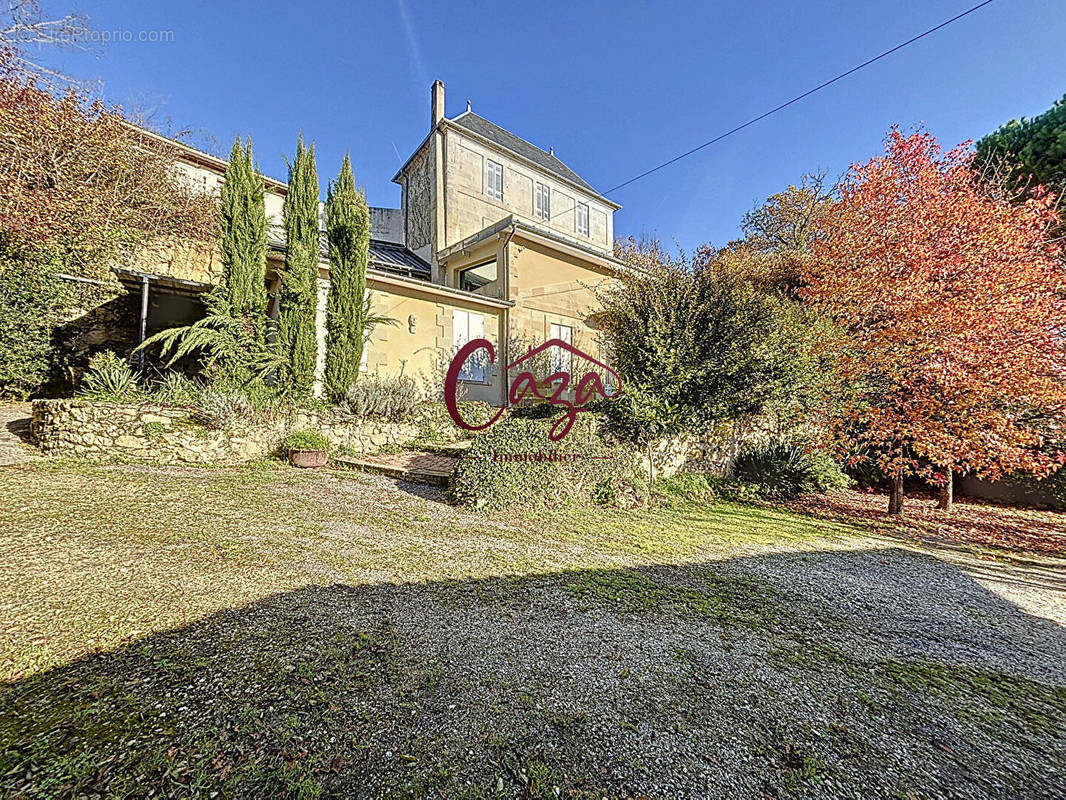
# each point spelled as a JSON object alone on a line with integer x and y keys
{"x": 234, "y": 332}
{"x": 348, "y": 231}
{"x": 299, "y": 285}
{"x": 243, "y": 244}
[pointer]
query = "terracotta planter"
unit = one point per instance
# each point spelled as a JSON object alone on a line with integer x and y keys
{"x": 308, "y": 458}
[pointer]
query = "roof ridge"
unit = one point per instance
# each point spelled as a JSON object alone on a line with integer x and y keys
{"x": 505, "y": 130}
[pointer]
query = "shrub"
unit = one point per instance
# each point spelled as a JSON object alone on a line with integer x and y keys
{"x": 688, "y": 486}
{"x": 514, "y": 463}
{"x": 30, "y": 302}
{"x": 175, "y": 388}
{"x": 826, "y": 474}
{"x": 694, "y": 342}
{"x": 219, "y": 410}
{"x": 304, "y": 440}
{"x": 782, "y": 469}
{"x": 109, "y": 378}
{"x": 385, "y": 398}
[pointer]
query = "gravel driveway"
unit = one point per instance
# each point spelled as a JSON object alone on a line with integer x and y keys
{"x": 847, "y": 667}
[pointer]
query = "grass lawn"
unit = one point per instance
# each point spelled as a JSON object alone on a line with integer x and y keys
{"x": 267, "y": 631}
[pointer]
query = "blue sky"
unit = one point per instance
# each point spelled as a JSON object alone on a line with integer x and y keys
{"x": 615, "y": 87}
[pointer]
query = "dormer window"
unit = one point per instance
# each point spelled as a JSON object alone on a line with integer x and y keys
{"x": 582, "y": 219}
{"x": 494, "y": 180}
{"x": 543, "y": 201}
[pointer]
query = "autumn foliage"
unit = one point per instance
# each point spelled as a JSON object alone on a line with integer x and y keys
{"x": 75, "y": 176}
{"x": 953, "y": 302}
{"x": 80, "y": 190}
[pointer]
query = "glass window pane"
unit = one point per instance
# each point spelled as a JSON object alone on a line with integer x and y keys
{"x": 560, "y": 358}
{"x": 474, "y": 279}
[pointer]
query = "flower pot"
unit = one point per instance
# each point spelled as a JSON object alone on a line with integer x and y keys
{"x": 308, "y": 458}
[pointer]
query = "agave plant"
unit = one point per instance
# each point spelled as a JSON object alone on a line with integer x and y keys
{"x": 777, "y": 469}
{"x": 109, "y": 378}
{"x": 176, "y": 388}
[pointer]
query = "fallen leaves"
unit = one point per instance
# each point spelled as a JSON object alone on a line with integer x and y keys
{"x": 970, "y": 523}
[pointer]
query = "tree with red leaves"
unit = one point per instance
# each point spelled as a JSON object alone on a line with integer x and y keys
{"x": 953, "y": 301}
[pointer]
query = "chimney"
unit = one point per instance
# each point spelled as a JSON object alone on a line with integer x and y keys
{"x": 438, "y": 103}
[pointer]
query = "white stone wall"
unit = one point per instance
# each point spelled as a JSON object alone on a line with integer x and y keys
{"x": 469, "y": 209}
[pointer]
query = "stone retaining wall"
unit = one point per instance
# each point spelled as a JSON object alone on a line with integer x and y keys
{"x": 712, "y": 453}
{"x": 95, "y": 430}
{"x": 171, "y": 435}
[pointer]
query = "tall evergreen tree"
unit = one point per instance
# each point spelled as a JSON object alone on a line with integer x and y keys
{"x": 1033, "y": 150}
{"x": 299, "y": 285}
{"x": 348, "y": 231}
{"x": 243, "y": 243}
{"x": 233, "y": 334}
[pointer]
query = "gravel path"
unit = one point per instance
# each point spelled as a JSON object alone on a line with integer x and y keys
{"x": 14, "y": 430}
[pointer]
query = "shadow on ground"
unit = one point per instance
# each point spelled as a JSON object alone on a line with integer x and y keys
{"x": 811, "y": 674}
{"x": 20, "y": 429}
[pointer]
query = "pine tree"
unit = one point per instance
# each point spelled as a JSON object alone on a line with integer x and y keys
{"x": 243, "y": 244}
{"x": 348, "y": 231}
{"x": 299, "y": 285}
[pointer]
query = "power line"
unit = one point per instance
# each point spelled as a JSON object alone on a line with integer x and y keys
{"x": 799, "y": 97}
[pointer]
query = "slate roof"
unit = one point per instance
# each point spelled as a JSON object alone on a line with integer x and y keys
{"x": 388, "y": 256}
{"x": 516, "y": 144}
{"x": 396, "y": 258}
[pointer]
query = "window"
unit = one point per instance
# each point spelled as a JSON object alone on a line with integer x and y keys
{"x": 543, "y": 201}
{"x": 474, "y": 279}
{"x": 560, "y": 358}
{"x": 494, "y": 180}
{"x": 467, "y": 325}
{"x": 582, "y": 219}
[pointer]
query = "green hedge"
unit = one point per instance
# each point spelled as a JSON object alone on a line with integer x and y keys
{"x": 514, "y": 463}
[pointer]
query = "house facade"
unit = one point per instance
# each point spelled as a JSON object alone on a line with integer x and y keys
{"x": 494, "y": 238}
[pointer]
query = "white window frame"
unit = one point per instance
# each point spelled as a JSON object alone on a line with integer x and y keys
{"x": 494, "y": 179}
{"x": 468, "y": 325}
{"x": 543, "y": 200}
{"x": 561, "y": 360}
{"x": 581, "y": 213}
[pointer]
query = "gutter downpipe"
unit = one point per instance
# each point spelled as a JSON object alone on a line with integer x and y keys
{"x": 505, "y": 355}
{"x": 144, "y": 323}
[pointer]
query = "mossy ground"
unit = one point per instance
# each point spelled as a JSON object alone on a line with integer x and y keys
{"x": 271, "y": 631}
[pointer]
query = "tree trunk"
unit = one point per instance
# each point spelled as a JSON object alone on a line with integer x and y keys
{"x": 895, "y": 496}
{"x": 947, "y": 493}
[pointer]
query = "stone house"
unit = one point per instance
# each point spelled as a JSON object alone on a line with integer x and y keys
{"x": 494, "y": 238}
